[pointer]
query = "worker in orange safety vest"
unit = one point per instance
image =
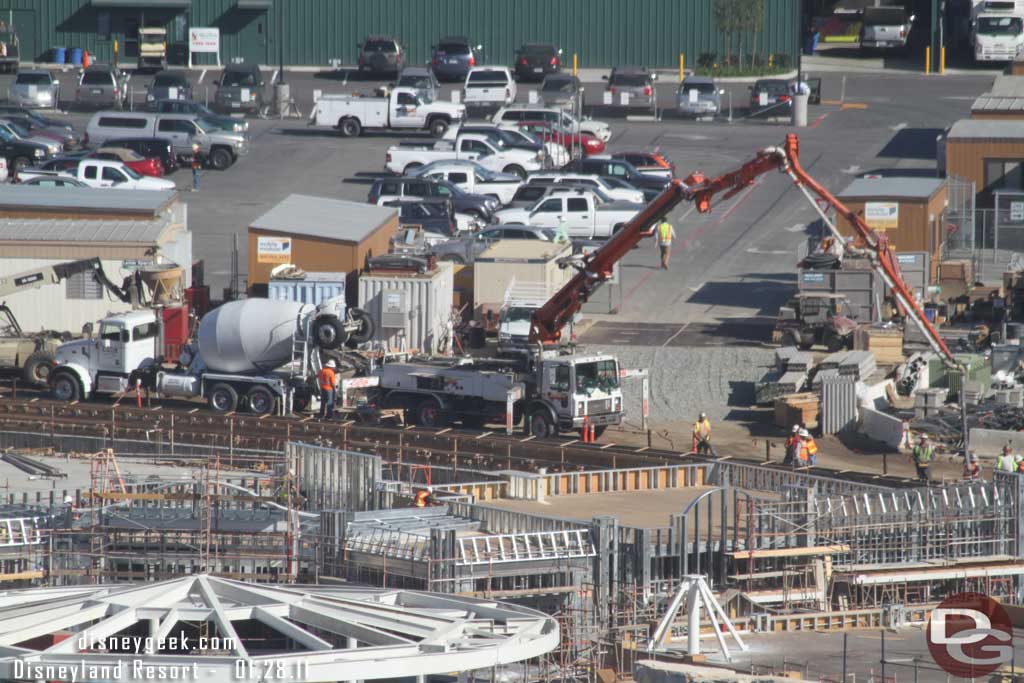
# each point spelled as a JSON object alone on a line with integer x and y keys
{"x": 327, "y": 379}
{"x": 422, "y": 498}
{"x": 809, "y": 449}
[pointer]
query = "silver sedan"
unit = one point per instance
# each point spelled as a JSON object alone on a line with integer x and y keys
{"x": 34, "y": 88}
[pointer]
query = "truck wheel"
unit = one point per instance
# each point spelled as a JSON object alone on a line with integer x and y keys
{"x": 516, "y": 169}
{"x": 328, "y": 332}
{"x": 411, "y": 167}
{"x": 261, "y": 401}
{"x": 65, "y": 387}
{"x": 221, "y": 159}
{"x": 429, "y": 414}
{"x": 540, "y": 425}
{"x": 367, "y": 327}
{"x": 350, "y": 128}
{"x": 223, "y": 398}
{"x": 38, "y": 368}
{"x": 438, "y": 127}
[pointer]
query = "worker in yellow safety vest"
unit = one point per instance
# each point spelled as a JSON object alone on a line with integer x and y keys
{"x": 665, "y": 234}
{"x": 922, "y": 454}
{"x": 702, "y": 434}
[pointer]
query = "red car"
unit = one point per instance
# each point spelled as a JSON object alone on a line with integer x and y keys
{"x": 150, "y": 166}
{"x": 549, "y": 132}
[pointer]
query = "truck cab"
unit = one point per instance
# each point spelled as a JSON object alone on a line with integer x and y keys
{"x": 997, "y": 30}
{"x": 399, "y": 108}
{"x": 103, "y": 364}
{"x": 574, "y": 392}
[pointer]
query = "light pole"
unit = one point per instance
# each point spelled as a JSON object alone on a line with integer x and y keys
{"x": 279, "y": 6}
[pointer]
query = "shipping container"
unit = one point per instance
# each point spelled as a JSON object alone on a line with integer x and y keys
{"x": 313, "y": 32}
{"x": 863, "y": 288}
{"x": 413, "y": 311}
{"x": 313, "y": 288}
{"x": 501, "y": 267}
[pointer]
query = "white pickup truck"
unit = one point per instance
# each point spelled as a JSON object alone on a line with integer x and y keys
{"x": 488, "y": 152}
{"x": 103, "y": 173}
{"x": 580, "y": 212}
{"x": 473, "y": 178}
{"x": 401, "y": 109}
{"x": 489, "y": 86}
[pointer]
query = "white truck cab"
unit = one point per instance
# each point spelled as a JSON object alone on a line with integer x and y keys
{"x": 397, "y": 109}
{"x": 997, "y": 30}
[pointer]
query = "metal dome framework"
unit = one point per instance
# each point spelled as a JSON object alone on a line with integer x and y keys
{"x": 332, "y": 633}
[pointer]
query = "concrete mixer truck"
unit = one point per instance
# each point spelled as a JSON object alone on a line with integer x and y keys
{"x": 258, "y": 355}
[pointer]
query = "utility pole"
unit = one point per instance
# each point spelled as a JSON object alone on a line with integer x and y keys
{"x": 279, "y": 5}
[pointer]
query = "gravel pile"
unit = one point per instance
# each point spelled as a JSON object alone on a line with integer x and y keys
{"x": 687, "y": 381}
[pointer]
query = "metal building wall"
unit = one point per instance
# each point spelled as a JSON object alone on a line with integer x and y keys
{"x": 601, "y": 32}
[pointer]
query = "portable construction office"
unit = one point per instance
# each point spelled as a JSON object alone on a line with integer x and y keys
{"x": 516, "y": 262}
{"x": 413, "y": 311}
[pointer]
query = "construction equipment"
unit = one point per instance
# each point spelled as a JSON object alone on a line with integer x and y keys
{"x": 815, "y": 318}
{"x": 33, "y": 354}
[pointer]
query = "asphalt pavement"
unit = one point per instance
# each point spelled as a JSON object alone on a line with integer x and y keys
{"x": 734, "y": 264}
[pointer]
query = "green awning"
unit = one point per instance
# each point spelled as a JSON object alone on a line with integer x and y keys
{"x": 253, "y": 4}
{"x": 143, "y": 4}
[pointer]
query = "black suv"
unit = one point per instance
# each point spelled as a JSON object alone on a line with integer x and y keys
{"x": 21, "y": 153}
{"x": 603, "y": 165}
{"x": 421, "y": 188}
{"x": 241, "y": 88}
{"x": 160, "y": 148}
{"x": 380, "y": 55}
{"x": 537, "y": 60}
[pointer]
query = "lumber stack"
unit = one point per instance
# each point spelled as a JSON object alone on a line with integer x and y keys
{"x": 797, "y": 409}
{"x": 885, "y": 343}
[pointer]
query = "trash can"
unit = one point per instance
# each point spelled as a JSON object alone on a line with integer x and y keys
{"x": 800, "y": 110}
{"x": 58, "y": 54}
{"x": 477, "y": 337}
{"x": 76, "y": 56}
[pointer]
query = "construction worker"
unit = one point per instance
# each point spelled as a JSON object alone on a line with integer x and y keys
{"x": 793, "y": 446}
{"x": 922, "y": 455}
{"x": 665, "y": 234}
{"x": 197, "y": 165}
{"x": 422, "y": 498}
{"x": 702, "y": 435}
{"x": 1019, "y": 461}
{"x": 327, "y": 379}
{"x": 972, "y": 470}
{"x": 808, "y": 449}
{"x": 1004, "y": 460}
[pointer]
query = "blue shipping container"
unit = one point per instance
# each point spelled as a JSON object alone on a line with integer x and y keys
{"x": 315, "y": 288}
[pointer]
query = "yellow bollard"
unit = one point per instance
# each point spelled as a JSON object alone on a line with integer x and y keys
{"x": 942, "y": 60}
{"x": 682, "y": 66}
{"x": 575, "y": 64}
{"x": 928, "y": 59}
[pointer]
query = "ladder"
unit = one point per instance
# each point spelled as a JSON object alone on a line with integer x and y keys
{"x": 305, "y": 357}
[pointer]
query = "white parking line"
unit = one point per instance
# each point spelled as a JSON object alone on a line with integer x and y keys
{"x": 678, "y": 332}
{"x": 202, "y": 76}
{"x": 799, "y": 227}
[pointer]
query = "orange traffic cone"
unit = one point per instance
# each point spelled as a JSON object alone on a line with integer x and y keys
{"x": 85, "y": 59}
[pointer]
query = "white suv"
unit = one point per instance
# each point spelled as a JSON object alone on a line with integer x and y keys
{"x": 517, "y": 112}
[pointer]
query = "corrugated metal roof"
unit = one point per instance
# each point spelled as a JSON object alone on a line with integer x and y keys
{"x": 84, "y": 199}
{"x": 975, "y": 129}
{"x": 998, "y": 103}
{"x": 895, "y": 187}
{"x": 15, "y": 230}
{"x": 1007, "y": 85}
{"x": 335, "y": 219}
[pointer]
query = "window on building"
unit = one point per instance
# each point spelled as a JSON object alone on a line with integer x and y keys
{"x": 1004, "y": 174}
{"x": 83, "y": 286}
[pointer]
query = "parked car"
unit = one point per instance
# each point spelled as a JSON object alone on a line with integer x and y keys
{"x": 604, "y": 165}
{"x": 698, "y": 96}
{"x": 61, "y": 164}
{"x": 618, "y": 190}
{"x": 531, "y": 112}
{"x": 465, "y": 249}
{"x": 398, "y": 109}
{"x": 53, "y": 143}
{"x": 34, "y": 88}
{"x": 188, "y": 134}
{"x": 103, "y": 173}
{"x": 228, "y": 123}
{"x": 54, "y": 181}
{"x": 631, "y": 86}
{"x": 889, "y": 27}
{"x": 489, "y": 86}
{"x": 158, "y": 148}
{"x": 37, "y": 125}
{"x": 386, "y": 190}
{"x": 420, "y": 79}
{"x": 150, "y": 166}
{"x": 473, "y": 178}
{"x": 453, "y": 57}
{"x": 770, "y": 96}
{"x": 583, "y": 214}
{"x": 552, "y": 132}
{"x": 535, "y": 60}
{"x": 380, "y": 55}
{"x": 241, "y": 88}
{"x": 485, "y": 148}
{"x": 561, "y": 90}
{"x": 435, "y": 216}
{"x": 102, "y": 86}
{"x": 169, "y": 85}
{"x": 649, "y": 163}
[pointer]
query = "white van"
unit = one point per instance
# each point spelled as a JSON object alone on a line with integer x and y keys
{"x": 187, "y": 133}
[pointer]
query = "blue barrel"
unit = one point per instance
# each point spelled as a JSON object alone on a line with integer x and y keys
{"x": 76, "y": 56}
{"x": 58, "y": 55}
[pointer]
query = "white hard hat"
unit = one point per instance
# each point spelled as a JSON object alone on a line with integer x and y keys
{"x": 973, "y": 457}
{"x": 703, "y": 416}
{"x": 924, "y": 437}
{"x": 796, "y": 428}
{"x": 804, "y": 433}
{"x": 331, "y": 363}
{"x": 1018, "y": 458}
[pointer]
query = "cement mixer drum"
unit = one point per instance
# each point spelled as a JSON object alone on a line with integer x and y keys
{"x": 252, "y": 335}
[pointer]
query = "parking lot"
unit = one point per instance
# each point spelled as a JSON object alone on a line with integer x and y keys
{"x": 735, "y": 262}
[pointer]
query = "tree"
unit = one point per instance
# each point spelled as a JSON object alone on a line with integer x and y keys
{"x": 728, "y": 14}
{"x": 751, "y": 21}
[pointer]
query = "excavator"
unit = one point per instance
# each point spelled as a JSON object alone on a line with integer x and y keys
{"x": 596, "y": 268}
{"x": 32, "y": 355}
